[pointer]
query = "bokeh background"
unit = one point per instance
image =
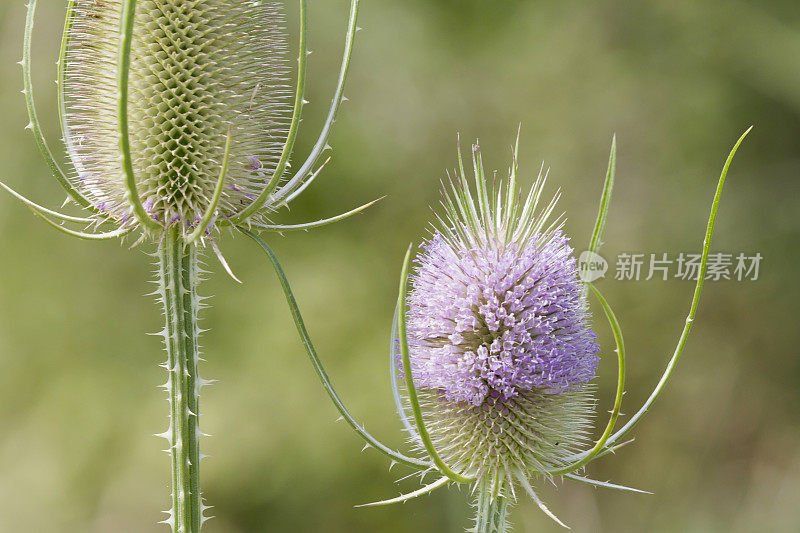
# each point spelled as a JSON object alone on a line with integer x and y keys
{"x": 677, "y": 81}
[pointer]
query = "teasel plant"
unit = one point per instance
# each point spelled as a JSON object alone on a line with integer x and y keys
{"x": 179, "y": 118}
{"x": 492, "y": 355}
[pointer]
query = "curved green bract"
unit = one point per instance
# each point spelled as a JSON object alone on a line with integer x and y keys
{"x": 297, "y": 112}
{"x": 315, "y": 361}
{"x": 322, "y": 141}
{"x": 212, "y": 206}
{"x": 83, "y": 235}
{"x": 43, "y": 210}
{"x": 317, "y": 223}
{"x": 411, "y": 495}
{"x": 605, "y": 484}
{"x": 535, "y": 497}
{"x": 411, "y": 390}
{"x": 34, "y": 125}
{"x": 398, "y": 400}
{"x": 123, "y": 74}
{"x": 605, "y": 201}
{"x": 601, "y": 442}
{"x": 297, "y": 192}
{"x": 692, "y": 308}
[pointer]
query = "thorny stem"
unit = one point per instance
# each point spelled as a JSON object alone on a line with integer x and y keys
{"x": 492, "y": 512}
{"x": 178, "y": 279}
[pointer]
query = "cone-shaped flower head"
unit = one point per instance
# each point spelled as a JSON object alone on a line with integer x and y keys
{"x": 500, "y": 347}
{"x": 197, "y": 71}
{"x": 495, "y": 349}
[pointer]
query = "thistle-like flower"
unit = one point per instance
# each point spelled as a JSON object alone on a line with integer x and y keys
{"x": 492, "y": 351}
{"x": 499, "y": 341}
{"x": 179, "y": 118}
{"x": 495, "y": 348}
{"x": 490, "y": 318}
{"x": 197, "y": 73}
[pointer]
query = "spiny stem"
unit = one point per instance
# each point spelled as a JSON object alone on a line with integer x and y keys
{"x": 492, "y": 512}
{"x": 178, "y": 271}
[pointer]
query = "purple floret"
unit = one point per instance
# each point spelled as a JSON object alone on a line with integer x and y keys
{"x": 255, "y": 163}
{"x": 499, "y": 321}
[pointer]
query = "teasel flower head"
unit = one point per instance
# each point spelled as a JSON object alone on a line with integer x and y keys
{"x": 180, "y": 115}
{"x": 492, "y": 353}
{"x": 179, "y": 118}
{"x": 198, "y": 72}
{"x": 490, "y": 319}
{"x": 500, "y": 346}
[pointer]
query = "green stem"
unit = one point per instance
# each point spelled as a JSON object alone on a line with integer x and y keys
{"x": 492, "y": 512}
{"x": 178, "y": 270}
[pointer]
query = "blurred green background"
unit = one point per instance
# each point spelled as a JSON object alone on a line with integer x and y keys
{"x": 677, "y": 80}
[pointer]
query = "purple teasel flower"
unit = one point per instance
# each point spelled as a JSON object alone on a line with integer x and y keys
{"x": 254, "y": 163}
{"x": 499, "y": 320}
{"x": 496, "y": 325}
{"x": 492, "y": 352}
{"x": 496, "y": 352}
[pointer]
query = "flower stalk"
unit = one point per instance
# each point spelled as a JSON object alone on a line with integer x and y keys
{"x": 178, "y": 277}
{"x": 492, "y": 513}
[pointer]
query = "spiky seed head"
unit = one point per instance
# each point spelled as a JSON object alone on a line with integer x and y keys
{"x": 197, "y": 70}
{"x": 499, "y": 341}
